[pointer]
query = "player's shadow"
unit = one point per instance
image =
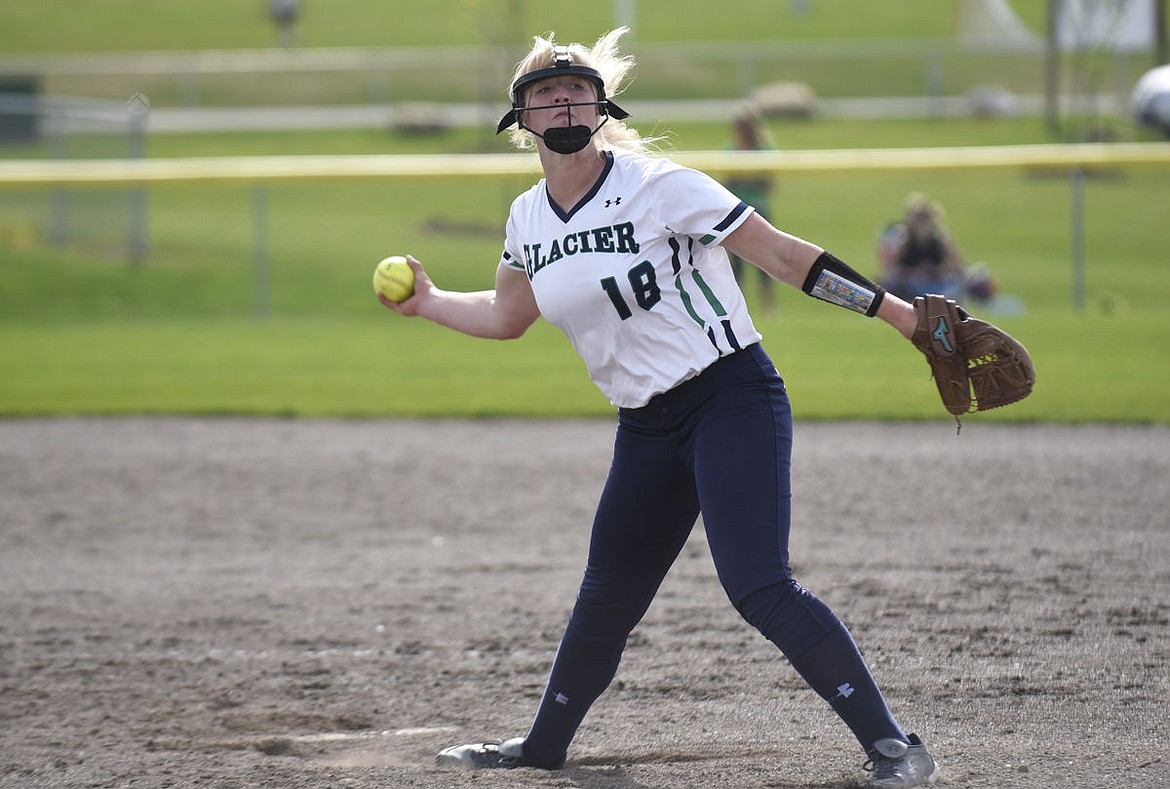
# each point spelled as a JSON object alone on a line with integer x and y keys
{"x": 600, "y": 776}
{"x": 602, "y": 772}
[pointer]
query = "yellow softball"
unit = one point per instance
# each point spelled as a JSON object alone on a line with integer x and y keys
{"x": 394, "y": 278}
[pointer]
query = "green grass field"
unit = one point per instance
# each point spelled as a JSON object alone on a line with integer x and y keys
{"x": 80, "y": 333}
{"x": 83, "y": 332}
{"x": 686, "y": 47}
{"x": 133, "y": 25}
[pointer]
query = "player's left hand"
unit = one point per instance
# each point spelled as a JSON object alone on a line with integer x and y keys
{"x": 976, "y": 365}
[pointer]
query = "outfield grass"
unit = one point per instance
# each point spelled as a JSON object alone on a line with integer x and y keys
{"x": 686, "y": 48}
{"x": 189, "y": 332}
{"x": 82, "y": 333}
{"x": 131, "y": 25}
{"x": 1092, "y": 367}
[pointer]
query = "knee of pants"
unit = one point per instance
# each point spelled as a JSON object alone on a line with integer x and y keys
{"x": 611, "y": 620}
{"x": 789, "y": 616}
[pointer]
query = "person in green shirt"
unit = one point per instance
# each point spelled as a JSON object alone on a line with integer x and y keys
{"x": 749, "y": 133}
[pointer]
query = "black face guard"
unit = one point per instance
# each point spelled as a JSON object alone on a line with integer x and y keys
{"x": 571, "y": 138}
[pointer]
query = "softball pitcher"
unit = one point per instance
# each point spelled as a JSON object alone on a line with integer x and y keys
{"x": 627, "y": 255}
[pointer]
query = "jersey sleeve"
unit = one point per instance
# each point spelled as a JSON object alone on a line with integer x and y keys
{"x": 511, "y": 259}
{"x": 512, "y": 255}
{"x": 694, "y": 204}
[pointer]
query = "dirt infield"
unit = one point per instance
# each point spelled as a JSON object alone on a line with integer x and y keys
{"x": 294, "y": 604}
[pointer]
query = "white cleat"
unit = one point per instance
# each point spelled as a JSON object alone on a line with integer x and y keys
{"x": 484, "y": 755}
{"x": 897, "y": 765}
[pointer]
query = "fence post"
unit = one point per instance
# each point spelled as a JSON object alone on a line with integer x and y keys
{"x": 139, "y": 242}
{"x": 1078, "y": 236}
{"x": 260, "y": 289}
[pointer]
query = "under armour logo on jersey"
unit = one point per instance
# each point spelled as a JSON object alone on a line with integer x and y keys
{"x": 561, "y": 698}
{"x": 614, "y": 201}
{"x": 940, "y": 335}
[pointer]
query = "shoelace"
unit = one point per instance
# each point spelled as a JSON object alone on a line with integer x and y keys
{"x": 490, "y": 754}
{"x": 881, "y": 767}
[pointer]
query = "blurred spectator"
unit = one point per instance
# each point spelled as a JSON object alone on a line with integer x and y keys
{"x": 284, "y": 15}
{"x": 750, "y": 134}
{"x": 919, "y": 256}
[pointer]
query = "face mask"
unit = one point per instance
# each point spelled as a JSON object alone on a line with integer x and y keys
{"x": 567, "y": 139}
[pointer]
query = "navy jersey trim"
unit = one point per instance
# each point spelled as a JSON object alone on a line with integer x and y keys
{"x": 565, "y": 216}
{"x": 730, "y": 218}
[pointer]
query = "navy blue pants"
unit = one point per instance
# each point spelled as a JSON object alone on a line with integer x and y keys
{"x": 719, "y": 444}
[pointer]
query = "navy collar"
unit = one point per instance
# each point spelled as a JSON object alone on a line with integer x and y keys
{"x": 565, "y": 216}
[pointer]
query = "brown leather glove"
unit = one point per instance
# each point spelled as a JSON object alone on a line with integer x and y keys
{"x": 976, "y": 365}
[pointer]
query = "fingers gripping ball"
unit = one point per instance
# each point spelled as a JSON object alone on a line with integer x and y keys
{"x": 394, "y": 279}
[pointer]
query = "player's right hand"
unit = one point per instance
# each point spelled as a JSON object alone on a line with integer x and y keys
{"x": 423, "y": 287}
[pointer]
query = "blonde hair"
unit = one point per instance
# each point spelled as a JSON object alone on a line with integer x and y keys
{"x": 614, "y": 69}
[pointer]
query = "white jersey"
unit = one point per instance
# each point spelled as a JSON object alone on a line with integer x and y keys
{"x": 634, "y": 274}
